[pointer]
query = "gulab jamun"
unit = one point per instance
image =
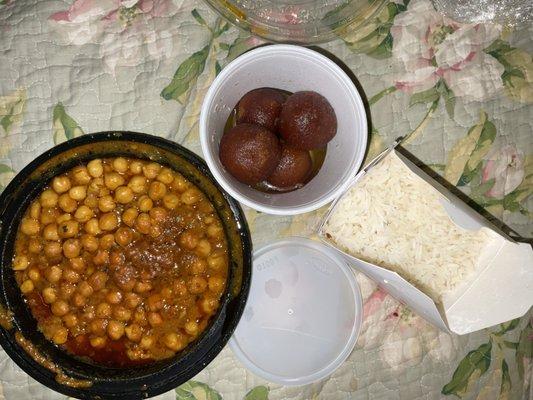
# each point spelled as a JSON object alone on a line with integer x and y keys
{"x": 293, "y": 168}
{"x": 250, "y": 153}
{"x": 261, "y": 107}
{"x": 307, "y": 121}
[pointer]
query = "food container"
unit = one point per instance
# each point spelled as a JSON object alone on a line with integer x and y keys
{"x": 135, "y": 382}
{"x": 502, "y": 288}
{"x": 291, "y": 68}
{"x": 296, "y": 20}
{"x": 303, "y": 315}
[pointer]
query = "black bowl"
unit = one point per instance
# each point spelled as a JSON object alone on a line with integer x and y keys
{"x": 115, "y": 383}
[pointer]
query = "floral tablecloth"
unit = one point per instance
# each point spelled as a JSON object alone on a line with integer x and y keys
{"x": 460, "y": 94}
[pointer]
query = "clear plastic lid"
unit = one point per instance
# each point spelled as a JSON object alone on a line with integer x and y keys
{"x": 303, "y": 314}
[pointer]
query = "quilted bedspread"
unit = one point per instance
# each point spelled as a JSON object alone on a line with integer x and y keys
{"x": 460, "y": 94}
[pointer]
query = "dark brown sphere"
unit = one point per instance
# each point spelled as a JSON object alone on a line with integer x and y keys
{"x": 307, "y": 121}
{"x": 293, "y": 168}
{"x": 261, "y": 107}
{"x": 250, "y": 153}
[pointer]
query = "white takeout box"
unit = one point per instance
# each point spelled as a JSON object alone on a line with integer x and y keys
{"x": 502, "y": 290}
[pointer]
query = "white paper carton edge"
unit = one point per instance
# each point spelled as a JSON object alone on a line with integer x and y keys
{"x": 474, "y": 310}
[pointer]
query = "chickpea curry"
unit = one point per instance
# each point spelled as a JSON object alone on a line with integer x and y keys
{"x": 122, "y": 261}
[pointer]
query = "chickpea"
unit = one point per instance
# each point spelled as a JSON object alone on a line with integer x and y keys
{"x": 52, "y": 250}
{"x": 78, "y": 193}
{"x": 165, "y": 176}
{"x": 35, "y": 246}
{"x": 145, "y": 203}
{"x": 143, "y": 287}
{"x": 174, "y": 341}
{"x": 115, "y": 329}
{"x": 126, "y": 284}
{"x": 77, "y": 263}
{"x": 98, "y": 326}
{"x": 215, "y": 231}
{"x": 198, "y": 266}
{"x": 203, "y": 249}
{"x": 78, "y": 300}
{"x": 95, "y": 168}
{"x": 216, "y": 262}
{"x": 116, "y": 258}
{"x": 114, "y": 297}
{"x": 180, "y": 183}
{"x": 85, "y": 289}
{"x": 103, "y": 310}
{"x": 147, "y": 342}
{"x": 30, "y": 226}
{"x": 191, "y": 328}
{"x": 81, "y": 175}
{"x": 107, "y": 241}
{"x": 48, "y": 215}
{"x": 155, "y": 231}
{"x": 138, "y": 184}
{"x": 123, "y": 236}
{"x": 71, "y": 276}
{"x": 34, "y": 274}
{"x": 66, "y": 290}
{"x": 121, "y": 313}
{"x": 120, "y": 164}
{"x": 54, "y": 274}
{"x": 139, "y": 317}
{"x": 61, "y": 184}
{"x": 108, "y": 222}
{"x": 66, "y": 203}
{"x": 133, "y": 332}
{"x": 143, "y": 223}
{"x": 83, "y": 213}
{"x": 35, "y": 210}
{"x": 154, "y": 302}
{"x": 101, "y": 257}
{"x": 197, "y": 285}
{"x": 180, "y": 288}
{"x": 191, "y": 196}
{"x": 129, "y": 216}
{"x": 158, "y": 214}
{"x": 50, "y": 232}
{"x": 151, "y": 170}
{"x": 89, "y": 243}
{"x": 208, "y": 305}
{"x": 27, "y": 286}
{"x": 98, "y": 342}
{"x": 63, "y": 218}
{"x": 60, "y": 308}
{"x": 106, "y": 203}
{"x": 91, "y": 200}
{"x": 92, "y": 227}
{"x": 154, "y": 319}
{"x": 98, "y": 280}
{"x": 123, "y": 195}
{"x": 132, "y": 300}
{"x": 113, "y": 180}
{"x": 157, "y": 190}
{"x": 70, "y": 320}
{"x": 166, "y": 293}
{"x": 88, "y": 313}
{"x": 48, "y": 198}
{"x": 171, "y": 201}
{"x": 188, "y": 240}
{"x": 216, "y": 284}
{"x": 49, "y": 295}
{"x": 68, "y": 229}
{"x": 97, "y": 188}
{"x": 60, "y": 336}
{"x": 20, "y": 263}
{"x": 71, "y": 248}
{"x": 136, "y": 167}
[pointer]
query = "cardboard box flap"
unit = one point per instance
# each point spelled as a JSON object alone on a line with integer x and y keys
{"x": 400, "y": 289}
{"x": 502, "y": 292}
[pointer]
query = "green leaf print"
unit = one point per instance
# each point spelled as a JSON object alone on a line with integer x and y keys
{"x": 475, "y": 364}
{"x": 257, "y": 393}
{"x": 448, "y": 96}
{"x": 186, "y": 76}
{"x": 64, "y": 127}
{"x": 242, "y": 44}
{"x": 525, "y": 348}
{"x": 6, "y": 174}
{"x": 194, "y": 390}
{"x": 427, "y": 96}
{"x": 218, "y": 68}
{"x": 506, "y": 380}
{"x": 11, "y": 109}
{"x": 196, "y": 15}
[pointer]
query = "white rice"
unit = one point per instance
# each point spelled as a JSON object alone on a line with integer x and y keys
{"x": 394, "y": 219}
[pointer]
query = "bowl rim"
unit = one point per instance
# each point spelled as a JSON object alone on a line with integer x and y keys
{"x": 227, "y": 326}
{"x": 205, "y": 136}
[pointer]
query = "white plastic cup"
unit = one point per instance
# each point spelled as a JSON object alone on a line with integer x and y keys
{"x": 291, "y": 68}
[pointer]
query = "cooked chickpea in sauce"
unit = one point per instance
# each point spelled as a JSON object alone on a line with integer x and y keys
{"x": 121, "y": 261}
